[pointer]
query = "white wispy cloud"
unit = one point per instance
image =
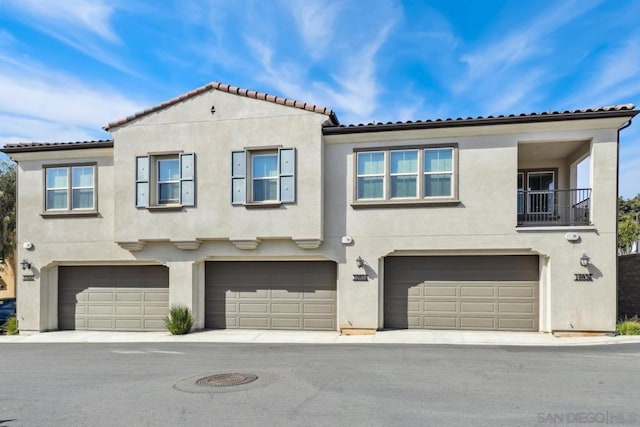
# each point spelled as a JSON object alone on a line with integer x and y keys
{"x": 614, "y": 77}
{"x": 84, "y": 25}
{"x": 315, "y": 22}
{"x": 38, "y": 104}
{"x": 93, "y": 16}
{"x": 494, "y": 71}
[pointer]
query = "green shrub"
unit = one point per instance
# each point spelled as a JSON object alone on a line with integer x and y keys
{"x": 179, "y": 321}
{"x": 629, "y": 326}
{"x": 10, "y": 327}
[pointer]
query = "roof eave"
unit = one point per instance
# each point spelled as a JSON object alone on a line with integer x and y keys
{"x": 55, "y": 147}
{"x": 452, "y": 123}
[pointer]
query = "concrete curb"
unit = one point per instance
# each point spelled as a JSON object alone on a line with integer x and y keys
{"x": 318, "y": 337}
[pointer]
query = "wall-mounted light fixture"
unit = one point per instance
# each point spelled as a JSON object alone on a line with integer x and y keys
{"x": 25, "y": 264}
{"x": 584, "y": 260}
{"x": 359, "y": 262}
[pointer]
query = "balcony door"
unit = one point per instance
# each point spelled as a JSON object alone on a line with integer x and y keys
{"x": 536, "y": 194}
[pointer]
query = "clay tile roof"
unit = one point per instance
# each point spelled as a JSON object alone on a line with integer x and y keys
{"x": 24, "y": 147}
{"x": 232, "y": 90}
{"x": 623, "y": 110}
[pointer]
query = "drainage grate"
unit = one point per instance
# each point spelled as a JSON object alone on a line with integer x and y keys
{"x": 226, "y": 380}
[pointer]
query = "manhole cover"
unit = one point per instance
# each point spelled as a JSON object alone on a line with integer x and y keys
{"x": 226, "y": 380}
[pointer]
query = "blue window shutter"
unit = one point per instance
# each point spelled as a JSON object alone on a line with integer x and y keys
{"x": 238, "y": 177}
{"x": 142, "y": 181}
{"x": 187, "y": 179}
{"x": 287, "y": 166}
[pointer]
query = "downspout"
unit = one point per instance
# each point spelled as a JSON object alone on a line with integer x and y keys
{"x": 623, "y": 127}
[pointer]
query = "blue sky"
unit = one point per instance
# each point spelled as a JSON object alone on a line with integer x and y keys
{"x": 69, "y": 67}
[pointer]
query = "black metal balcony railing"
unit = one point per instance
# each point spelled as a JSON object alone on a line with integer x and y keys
{"x": 554, "y": 207}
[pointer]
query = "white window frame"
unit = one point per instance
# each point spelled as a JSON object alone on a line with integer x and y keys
{"x": 159, "y": 182}
{"x": 242, "y": 180}
{"x": 147, "y": 180}
{"x": 415, "y": 174}
{"x": 373, "y": 175}
{"x": 69, "y": 188}
{"x": 449, "y": 172}
{"x": 420, "y": 174}
{"x": 253, "y": 157}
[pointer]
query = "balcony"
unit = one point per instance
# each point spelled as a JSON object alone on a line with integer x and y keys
{"x": 554, "y": 207}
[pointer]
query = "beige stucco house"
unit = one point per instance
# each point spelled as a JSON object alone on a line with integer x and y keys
{"x": 262, "y": 212}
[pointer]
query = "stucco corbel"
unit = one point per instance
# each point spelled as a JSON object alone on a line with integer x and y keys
{"x": 308, "y": 243}
{"x": 132, "y": 246}
{"x": 246, "y": 244}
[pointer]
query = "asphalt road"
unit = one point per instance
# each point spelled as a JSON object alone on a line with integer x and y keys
{"x": 318, "y": 385}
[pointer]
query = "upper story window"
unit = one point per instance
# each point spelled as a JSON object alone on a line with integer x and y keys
{"x": 70, "y": 188}
{"x": 406, "y": 174}
{"x": 263, "y": 176}
{"x": 168, "y": 180}
{"x": 438, "y": 172}
{"x": 165, "y": 180}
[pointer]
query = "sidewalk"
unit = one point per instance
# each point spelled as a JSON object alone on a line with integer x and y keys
{"x": 320, "y": 337}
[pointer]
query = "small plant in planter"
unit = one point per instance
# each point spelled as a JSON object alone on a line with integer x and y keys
{"x": 179, "y": 321}
{"x": 10, "y": 327}
{"x": 629, "y": 326}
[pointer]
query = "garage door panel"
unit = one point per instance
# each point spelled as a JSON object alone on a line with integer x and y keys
{"x": 438, "y": 322}
{"x": 96, "y": 295}
{"x": 516, "y": 324}
{"x": 477, "y": 307}
{"x": 466, "y": 292}
{"x": 248, "y": 308}
{"x": 526, "y": 291}
{"x": 285, "y": 323}
{"x": 155, "y": 311}
{"x": 517, "y": 307}
{"x": 94, "y": 323}
{"x": 482, "y": 323}
{"x": 477, "y": 291}
{"x": 131, "y": 310}
{"x": 253, "y": 322}
{"x": 440, "y": 291}
{"x": 128, "y": 324}
{"x": 100, "y": 310}
{"x": 270, "y": 294}
{"x": 129, "y": 296}
{"x": 153, "y": 324}
{"x": 441, "y": 306}
{"x": 284, "y": 294}
{"x": 327, "y": 295}
{"x": 318, "y": 308}
{"x": 285, "y": 308}
{"x": 113, "y": 297}
{"x": 318, "y": 324}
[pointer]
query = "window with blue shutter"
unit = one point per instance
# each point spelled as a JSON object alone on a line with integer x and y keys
{"x": 263, "y": 176}
{"x": 165, "y": 180}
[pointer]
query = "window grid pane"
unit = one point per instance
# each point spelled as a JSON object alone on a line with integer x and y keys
{"x": 437, "y": 185}
{"x": 438, "y": 160}
{"x": 57, "y": 178}
{"x": 82, "y": 187}
{"x": 56, "y": 199}
{"x": 404, "y": 174}
{"x": 264, "y": 173}
{"x": 265, "y": 189}
{"x": 57, "y": 188}
{"x": 370, "y": 174}
{"x": 168, "y": 181}
{"x": 265, "y": 165}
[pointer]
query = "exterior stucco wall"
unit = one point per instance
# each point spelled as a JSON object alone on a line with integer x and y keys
{"x": 484, "y": 222}
{"x": 237, "y": 123}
